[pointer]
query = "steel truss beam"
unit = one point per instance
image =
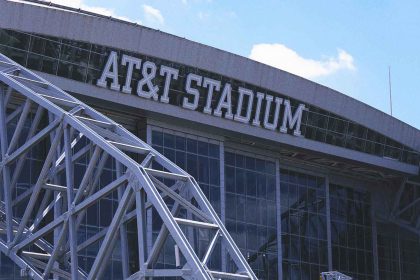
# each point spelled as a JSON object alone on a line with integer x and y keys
{"x": 405, "y": 211}
{"x": 89, "y": 159}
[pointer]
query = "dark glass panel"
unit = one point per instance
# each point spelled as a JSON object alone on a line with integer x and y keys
{"x": 157, "y": 138}
{"x": 45, "y": 47}
{"x": 230, "y": 179}
{"x": 168, "y": 140}
{"x": 41, "y": 63}
{"x": 191, "y": 145}
{"x": 72, "y": 71}
{"x": 203, "y": 148}
{"x": 14, "y": 39}
{"x": 214, "y": 151}
{"x": 180, "y": 143}
{"x": 16, "y": 55}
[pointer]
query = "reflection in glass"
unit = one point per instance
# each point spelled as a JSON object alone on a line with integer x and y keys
{"x": 205, "y": 168}
{"x": 303, "y": 225}
{"x": 250, "y": 212}
{"x": 351, "y": 232}
{"x": 84, "y": 62}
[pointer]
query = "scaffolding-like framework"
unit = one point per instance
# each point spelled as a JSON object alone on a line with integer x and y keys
{"x": 39, "y": 225}
{"x": 334, "y": 275}
{"x": 405, "y": 210}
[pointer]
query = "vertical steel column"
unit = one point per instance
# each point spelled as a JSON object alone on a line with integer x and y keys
{"x": 59, "y": 232}
{"x": 328, "y": 209}
{"x": 278, "y": 214}
{"x": 70, "y": 204}
{"x": 374, "y": 242}
{"x": 6, "y": 169}
{"x": 223, "y": 199}
{"x": 123, "y": 229}
{"x": 149, "y": 233}
{"x": 141, "y": 227}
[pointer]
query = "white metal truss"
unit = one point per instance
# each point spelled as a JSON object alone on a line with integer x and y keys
{"x": 334, "y": 275}
{"x": 40, "y": 221}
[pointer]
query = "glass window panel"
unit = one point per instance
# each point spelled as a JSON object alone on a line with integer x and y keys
{"x": 180, "y": 143}
{"x": 74, "y": 55}
{"x": 254, "y": 210}
{"x": 17, "y": 55}
{"x": 168, "y": 140}
{"x": 72, "y": 71}
{"x": 184, "y": 151}
{"x": 203, "y": 169}
{"x": 93, "y": 76}
{"x": 180, "y": 159}
{"x": 214, "y": 151}
{"x": 230, "y": 179}
{"x": 157, "y": 138}
{"x": 302, "y": 223}
{"x": 349, "y": 232}
{"x": 14, "y": 39}
{"x": 192, "y": 165}
{"x": 251, "y": 189}
{"x": 203, "y": 148}
{"x": 191, "y": 145}
{"x": 214, "y": 168}
{"x": 45, "y": 47}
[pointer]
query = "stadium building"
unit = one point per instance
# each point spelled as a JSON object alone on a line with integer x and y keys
{"x": 304, "y": 178}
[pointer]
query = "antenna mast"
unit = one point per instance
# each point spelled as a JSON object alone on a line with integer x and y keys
{"x": 390, "y": 93}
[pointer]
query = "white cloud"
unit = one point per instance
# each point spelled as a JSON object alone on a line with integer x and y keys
{"x": 79, "y": 4}
{"x": 282, "y": 57}
{"x": 203, "y": 15}
{"x": 153, "y": 15}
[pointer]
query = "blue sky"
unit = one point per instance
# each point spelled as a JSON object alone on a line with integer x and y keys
{"x": 346, "y": 45}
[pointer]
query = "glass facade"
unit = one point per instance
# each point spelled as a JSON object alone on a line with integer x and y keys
{"x": 200, "y": 157}
{"x": 243, "y": 188}
{"x": 84, "y": 62}
{"x": 351, "y": 232}
{"x": 32, "y": 167}
{"x": 97, "y": 217}
{"x": 398, "y": 254}
{"x": 303, "y": 225}
{"x": 251, "y": 211}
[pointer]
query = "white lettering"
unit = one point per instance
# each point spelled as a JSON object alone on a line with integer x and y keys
{"x": 225, "y": 101}
{"x": 112, "y": 63}
{"x": 131, "y": 62}
{"x": 245, "y": 103}
{"x": 193, "y": 91}
{"x": 294, "y": 120}
{"x": 149, "y": 73}
{"x": 242, "y": 93}
{"x": 267, "y": 124}
{"x": 169, "y": 73}
{"x": 212, "y": 85}
{"x": 256, "y": 121}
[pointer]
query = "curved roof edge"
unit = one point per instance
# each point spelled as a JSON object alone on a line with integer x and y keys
{"x": 71, "y": 24}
